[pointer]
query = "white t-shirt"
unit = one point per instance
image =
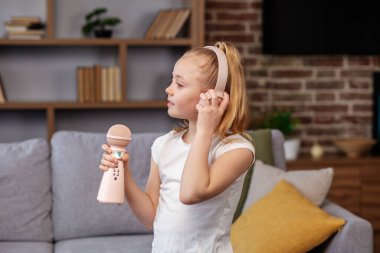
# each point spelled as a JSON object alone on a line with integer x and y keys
{"x": 198, "y": 228}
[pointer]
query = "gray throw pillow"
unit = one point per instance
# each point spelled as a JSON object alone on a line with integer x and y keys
{"x": 25, "y": 191}
{"x": 312, "y": 184}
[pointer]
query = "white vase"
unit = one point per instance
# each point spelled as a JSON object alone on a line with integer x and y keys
{"x": 291, "y": 147}
{"x": 316, "y": 151}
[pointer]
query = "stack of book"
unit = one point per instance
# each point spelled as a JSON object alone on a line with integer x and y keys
{"x": 167, "y": 24}
{"x": 98, "y": 84}
{"x": 26, "y": 28}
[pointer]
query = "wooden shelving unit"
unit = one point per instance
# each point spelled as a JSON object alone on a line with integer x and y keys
{"x": 195, "y": 39}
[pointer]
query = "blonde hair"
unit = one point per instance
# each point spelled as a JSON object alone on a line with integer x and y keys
{"x": 235, "y": 118}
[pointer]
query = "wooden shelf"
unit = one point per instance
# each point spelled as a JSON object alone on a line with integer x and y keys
{"x": 146, "y": 104}
{"x": 96, "y": 42}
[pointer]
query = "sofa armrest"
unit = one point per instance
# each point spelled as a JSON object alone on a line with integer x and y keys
{"x": 356, "y": 235}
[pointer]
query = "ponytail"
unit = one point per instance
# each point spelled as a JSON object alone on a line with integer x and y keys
{"x": 235, "y": 118}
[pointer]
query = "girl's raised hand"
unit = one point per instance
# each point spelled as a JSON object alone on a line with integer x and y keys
{"x": 108, "y": 161}
{"x": 210, "y": 110}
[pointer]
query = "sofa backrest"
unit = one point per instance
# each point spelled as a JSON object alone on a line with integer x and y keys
{"x": 76, "y": 178}
{"x": 25, "y": 191}
{"x": 278, "y": 149}
{"x": 269, "y": 146}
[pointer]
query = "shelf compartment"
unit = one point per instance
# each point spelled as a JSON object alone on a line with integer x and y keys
{"x": 144, "y": 120}
{"x": 136, "y": 15}
{"x": 47, "y": 73}
{"x": 148, "y": 78}
{"x": 27, "y": 124}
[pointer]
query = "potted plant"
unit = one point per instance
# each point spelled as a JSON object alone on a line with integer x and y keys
{"x": 283, "y": 121}
{"x": 98, "y": 25}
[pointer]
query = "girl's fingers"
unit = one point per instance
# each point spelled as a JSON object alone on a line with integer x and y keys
{"x": 203, "y": 99}
{"x": 108, "y": 163}
{"x": 106, "y": 148}
{"x": 213, "y": 97}
{"x": 109, "y": 158}
{"x": 198, "y": 107}
{"x": 125, "y": 157}
{"x": 104, "y": 168}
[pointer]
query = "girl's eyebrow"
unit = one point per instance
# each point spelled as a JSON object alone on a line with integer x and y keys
{"x": 180, "y": 77}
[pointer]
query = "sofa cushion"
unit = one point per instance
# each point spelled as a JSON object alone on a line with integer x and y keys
{"x": 76, "y": 178}
{"x": 25, "y": 191}
{"x": 26, "y": 247}
{"x": 313, "y": 184}
{"x": 283, "y": 221}
{"x": 263, "y": 145}
{"x": 114, "y": 244}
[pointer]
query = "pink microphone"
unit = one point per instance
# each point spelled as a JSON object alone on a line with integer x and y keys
{"x": 111, "y": 188}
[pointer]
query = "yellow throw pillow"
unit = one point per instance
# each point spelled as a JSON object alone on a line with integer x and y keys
{"x": 282, "y": 221}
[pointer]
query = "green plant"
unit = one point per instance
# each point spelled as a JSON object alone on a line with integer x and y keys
{"x": 95, "y": 20}
{"x": 281, "y": 120}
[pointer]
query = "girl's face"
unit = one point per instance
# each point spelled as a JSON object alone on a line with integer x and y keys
{"x": 187, "y": 84}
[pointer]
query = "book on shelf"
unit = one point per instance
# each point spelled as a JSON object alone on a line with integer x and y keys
{"x": 9, "y": 27}
{"x": 28, "y": 34}
{"x": 167, "y": 23}
{"x": 24, "y": 37}
{"x": 98, "y": 84}
{"x": 153, "y": 27}
{"x": 25, "y": 19}
{"x": 178, "y": 22}
{"x": 24, "y": 27}
{"x": 80, "y": 84}
{"x": 3, "y": 98}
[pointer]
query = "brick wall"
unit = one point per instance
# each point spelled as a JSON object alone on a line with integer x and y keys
{"x": 331, "y": 95}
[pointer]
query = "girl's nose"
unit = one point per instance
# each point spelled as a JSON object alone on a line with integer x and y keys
{"x": 169, "y": 90}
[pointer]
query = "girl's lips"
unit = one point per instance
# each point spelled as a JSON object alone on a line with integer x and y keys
{"x": 170, "y": 103}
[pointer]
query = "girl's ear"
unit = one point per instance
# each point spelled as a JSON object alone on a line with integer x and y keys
{"x": 226, "y": 100}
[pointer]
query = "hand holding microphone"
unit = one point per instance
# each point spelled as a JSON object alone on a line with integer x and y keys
{"x": 111, "y": 188}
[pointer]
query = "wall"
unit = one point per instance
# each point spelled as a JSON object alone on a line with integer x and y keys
{"x": 332, "y": 95}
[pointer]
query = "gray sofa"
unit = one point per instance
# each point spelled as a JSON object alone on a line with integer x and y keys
{"x": 48, "y": 199}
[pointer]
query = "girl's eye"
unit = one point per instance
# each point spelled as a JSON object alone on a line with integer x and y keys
{"x": 179, "y": 85}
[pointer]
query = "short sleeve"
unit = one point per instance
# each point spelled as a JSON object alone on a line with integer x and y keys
{"x": 157, "y": 146}
{"x": 235, "y": 143}
{"x": 155, "y": 149}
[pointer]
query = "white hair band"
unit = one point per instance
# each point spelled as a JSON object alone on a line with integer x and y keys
{"x": 222, "y": 70}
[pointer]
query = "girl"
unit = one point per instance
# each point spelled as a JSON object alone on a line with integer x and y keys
{"x": 197, "y": 170}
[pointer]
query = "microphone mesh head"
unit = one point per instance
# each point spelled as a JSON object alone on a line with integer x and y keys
{"x": 119, "y": 135}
